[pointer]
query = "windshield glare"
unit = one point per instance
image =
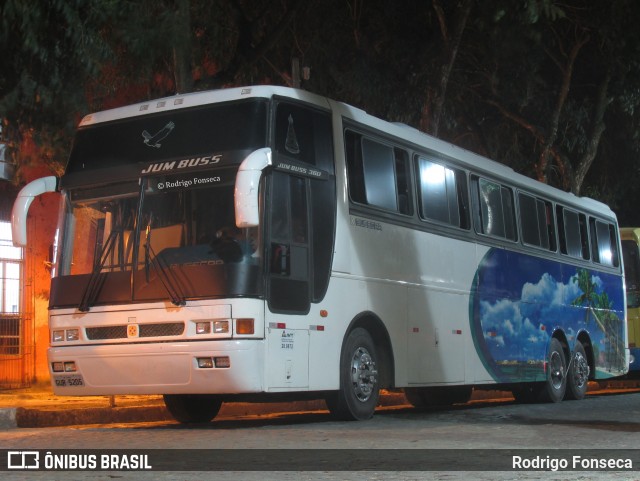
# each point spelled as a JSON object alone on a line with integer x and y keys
{"x": 182, "y": 232}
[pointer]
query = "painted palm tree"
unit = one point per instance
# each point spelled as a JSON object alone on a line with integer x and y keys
{"x": 600, "y": 308}
{"x": 614, "y": 350}
{"x": 589, "y": 296}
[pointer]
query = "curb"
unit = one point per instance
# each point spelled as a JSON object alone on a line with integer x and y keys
{"x": 154, "y": 411}
{"x": 8, "y": 418}
{"x": 41, "y": 417}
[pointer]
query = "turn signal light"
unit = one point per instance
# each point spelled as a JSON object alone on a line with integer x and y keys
{"x": 244, "y": 326}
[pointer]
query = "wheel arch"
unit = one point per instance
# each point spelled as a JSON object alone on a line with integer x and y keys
{"x": 560, "y": 335}
{"x": 585, "y": 340}
{"x": 378, "y": 331}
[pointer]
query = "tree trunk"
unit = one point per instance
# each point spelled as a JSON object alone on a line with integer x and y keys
{"x": 598, "y": 127}
{"x": 552, "y": 135}
{"x": 182, "y": 48}
{"x": 452, "y": 46}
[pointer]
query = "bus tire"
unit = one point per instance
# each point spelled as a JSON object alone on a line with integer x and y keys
{"x": 556, "y": 384}
{"x": 192, "y": 408}
{"x": 357, "y": 398}
{"x": 578, "y": 379}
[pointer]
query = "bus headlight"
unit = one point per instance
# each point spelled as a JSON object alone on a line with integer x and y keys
{"x": 220, "y": 327}
{"x": 65, "y": 335}
{"x": 72, "y": 334}
{"x": 203, "y": 327}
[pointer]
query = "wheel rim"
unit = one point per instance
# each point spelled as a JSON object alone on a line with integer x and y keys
{"x": 556, "y": 367}
{"x": 581, "y": 370}
{"x": 363, "y": 374}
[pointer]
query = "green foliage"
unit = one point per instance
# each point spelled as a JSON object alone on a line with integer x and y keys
{"x": 64, "y": 58}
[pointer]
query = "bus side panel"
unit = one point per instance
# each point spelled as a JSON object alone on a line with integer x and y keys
{"x": 521, "y": 300}
{"x": 438, "y": 328}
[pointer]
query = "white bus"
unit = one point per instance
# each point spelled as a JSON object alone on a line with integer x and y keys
{"x": 266, "y": 243}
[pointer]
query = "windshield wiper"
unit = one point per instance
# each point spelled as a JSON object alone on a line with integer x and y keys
{"x": 95, "y": 282}
{"x": 167, "y": 277}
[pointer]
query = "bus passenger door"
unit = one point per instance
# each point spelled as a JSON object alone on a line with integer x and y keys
{"x": 300, "y": 207}
{"x": 288, "y": 283}
{"x": 288, "y": 246}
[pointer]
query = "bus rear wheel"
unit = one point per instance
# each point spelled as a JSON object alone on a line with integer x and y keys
{"x": 357, "y": 398}
{"x": 578, "y": 380}
{"x": 192, "y": 408}
{"x": 556, "y": 384}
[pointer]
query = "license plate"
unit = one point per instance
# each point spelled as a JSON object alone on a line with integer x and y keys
{"x": 73, "y": 380}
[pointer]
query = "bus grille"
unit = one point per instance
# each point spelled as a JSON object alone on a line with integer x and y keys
{"x": 144, "y": 330}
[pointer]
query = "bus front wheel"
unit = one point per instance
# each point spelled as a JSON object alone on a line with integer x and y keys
{"x": 192, "y": 408}
{"x": 357, "y": 398}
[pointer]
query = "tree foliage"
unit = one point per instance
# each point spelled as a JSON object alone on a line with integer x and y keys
{"x": 547, "y": 87}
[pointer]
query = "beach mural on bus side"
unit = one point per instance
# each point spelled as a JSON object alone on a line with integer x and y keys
{"x": 513, "y": 313}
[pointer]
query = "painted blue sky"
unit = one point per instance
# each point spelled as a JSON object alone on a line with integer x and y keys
{"x": 520, "y": 308}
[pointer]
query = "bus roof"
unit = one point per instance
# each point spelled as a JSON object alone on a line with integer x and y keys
{"x": 409, "y": 134}
{"x": 182, "y": 101}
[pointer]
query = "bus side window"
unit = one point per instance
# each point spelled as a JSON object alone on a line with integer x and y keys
{"x": 536, "y": 222}
{"x": 494, "y": 213}
{"x": 443, "y": 194}
{"x": 378, "y": 174}
{"x": 405, "y": 204}
{"x": 603, "y": 243}
{"x": 355, "y": 168}
{"x": 572, "y": 228}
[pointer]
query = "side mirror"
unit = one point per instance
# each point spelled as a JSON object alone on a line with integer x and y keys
{"x": 23, "y": 202}
{"x": 246, "y": 190}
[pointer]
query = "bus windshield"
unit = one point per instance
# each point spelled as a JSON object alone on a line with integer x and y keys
{"x": 174, "y": 239}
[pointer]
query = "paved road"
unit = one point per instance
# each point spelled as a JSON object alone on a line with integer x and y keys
{"x": 609, "y": 423}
